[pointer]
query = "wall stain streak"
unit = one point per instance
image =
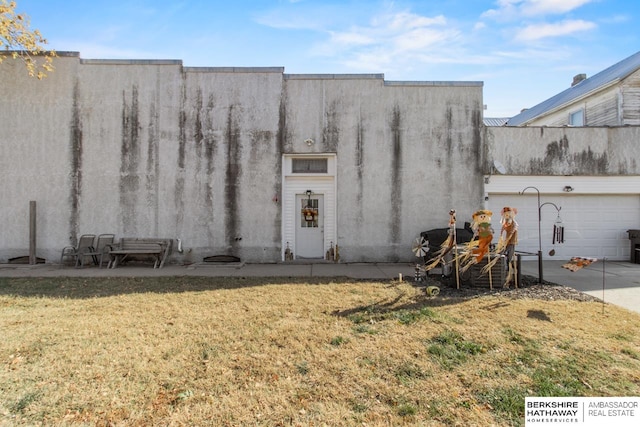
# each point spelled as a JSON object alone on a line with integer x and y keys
{"x": 284, "y": 140}
{"x": 331, "y": 131}
{"x": 587, "y": 160}
{"x": 153, "y": 165}
{"x": 232, "y": 175}
{"x": 359, "y": 157}
{"x": 449, "y": 163}
{"x": 198, "y": 135}
{"x": 281, "y": 148}
{"x": 559, "y": 158}
{"x": 477, "y": 149}
{"x": 129, "y": 161}
{"x": 449, "y": 139}
{"x": 76, "y": 150}
{"x": 210, "y": 150}
{"x": 557, "y": 150}
{"x": 178, "y": 196}
{"x": 396, "y": 176}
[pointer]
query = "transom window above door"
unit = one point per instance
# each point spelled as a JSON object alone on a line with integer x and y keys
{"x": 309, "y": 165}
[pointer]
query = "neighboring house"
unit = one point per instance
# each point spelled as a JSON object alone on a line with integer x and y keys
{"x": 595, "y": 183}
{"x": 608, "y": 98}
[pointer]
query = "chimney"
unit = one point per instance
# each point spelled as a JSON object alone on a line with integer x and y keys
{"x": 578, "y": 78}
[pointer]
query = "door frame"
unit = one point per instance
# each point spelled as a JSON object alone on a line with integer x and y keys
{"x": 298, "y": 183}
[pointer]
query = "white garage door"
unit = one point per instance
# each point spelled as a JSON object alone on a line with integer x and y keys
{"x": 594, "y": 225}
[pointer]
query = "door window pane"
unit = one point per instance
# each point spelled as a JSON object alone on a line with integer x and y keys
{"x": 309, "y": 213}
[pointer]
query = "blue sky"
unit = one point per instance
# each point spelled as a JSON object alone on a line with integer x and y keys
{"x": 524, "y": 51}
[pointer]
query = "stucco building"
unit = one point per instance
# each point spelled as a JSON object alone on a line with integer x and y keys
{"x": 228, "y": 159}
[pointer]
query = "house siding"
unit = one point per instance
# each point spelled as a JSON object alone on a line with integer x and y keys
{"x": 615, "y": 105}
{"x": 631, "y": 100}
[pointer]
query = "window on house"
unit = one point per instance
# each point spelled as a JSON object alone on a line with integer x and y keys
{"x": 309, "y": 165}
{"x": 577, "y": 118}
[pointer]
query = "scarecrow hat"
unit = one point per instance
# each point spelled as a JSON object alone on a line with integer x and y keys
{"x": 482, "y": 212}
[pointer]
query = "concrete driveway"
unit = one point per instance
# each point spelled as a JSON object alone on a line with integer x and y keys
{"x": 615, "y": 282}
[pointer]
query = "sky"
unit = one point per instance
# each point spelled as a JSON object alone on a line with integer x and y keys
{"x": 524, "y": 51}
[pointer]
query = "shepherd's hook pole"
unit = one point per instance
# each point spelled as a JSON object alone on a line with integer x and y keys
{"x": 540, "y": 273}
{"x": 604, "y": 261}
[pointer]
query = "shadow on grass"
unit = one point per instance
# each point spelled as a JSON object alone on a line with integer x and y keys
{"x": 449, "y": 295}
{"x": 414, "y": 306}
{"x": 98, "y": 287}
{"x": 95, "y": 287}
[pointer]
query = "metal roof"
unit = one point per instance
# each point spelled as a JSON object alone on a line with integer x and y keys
{"x": 495, "y": 121}
{"x": 612, "y": 74}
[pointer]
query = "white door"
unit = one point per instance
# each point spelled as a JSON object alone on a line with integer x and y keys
{"x": 309, "y": 215}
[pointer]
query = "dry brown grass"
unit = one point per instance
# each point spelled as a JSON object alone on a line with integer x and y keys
{"x": 211, "y": 351}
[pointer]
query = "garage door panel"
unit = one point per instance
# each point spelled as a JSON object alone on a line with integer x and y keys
{"x": 594, "y": 225}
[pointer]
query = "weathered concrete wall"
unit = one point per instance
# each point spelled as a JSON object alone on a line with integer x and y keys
{"x": 179, "y": 154}
{"x": 406, "y": 152}
{"x": 142, "y": 149}
{"x": 149, "y": 148}
{"x": 565, "y": 151}
{"x": 36, "y": 148}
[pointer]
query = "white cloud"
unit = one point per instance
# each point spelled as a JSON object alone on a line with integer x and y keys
{"x": 351, "y": 39}
{"x": 422, "y": 38}
{"x": 564, "y": 28}
{"x": 547, "y": 7}
{"x": 507, "y": 9}
{"x": 616, "y": 19}
{"x": 404, "y": 20}
{"x": 392, "y": 34}
{"x": 395, "y": 42}
{"x": 480, "y": 26}
{"x": 512, "y": 9}
{"x": 311, "y": 18}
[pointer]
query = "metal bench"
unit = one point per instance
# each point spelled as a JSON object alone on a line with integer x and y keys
{"x": 132, "y": 247}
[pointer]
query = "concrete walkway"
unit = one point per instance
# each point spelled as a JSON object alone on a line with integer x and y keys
{"x": 621, "y": 279}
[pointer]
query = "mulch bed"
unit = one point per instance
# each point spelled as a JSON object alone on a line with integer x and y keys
{"x": 527, "y": 288}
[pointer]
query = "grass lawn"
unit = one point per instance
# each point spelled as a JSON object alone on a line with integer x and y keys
{"x": 270, "y": 352}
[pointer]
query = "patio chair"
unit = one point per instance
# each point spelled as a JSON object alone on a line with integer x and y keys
{"x": 85, "y": 244}
{"x": 97, "y": 252}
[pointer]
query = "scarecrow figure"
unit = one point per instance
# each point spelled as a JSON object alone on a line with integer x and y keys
{"x": 508, "y": 233}
{"x": 478, "y": 247}
{"x": 482, "y": 230}
{"x": 447, "y": 245}
{"x": 506, "y": 243}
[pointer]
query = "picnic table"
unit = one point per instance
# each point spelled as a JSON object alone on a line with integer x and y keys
{"x": 140, "y": 247}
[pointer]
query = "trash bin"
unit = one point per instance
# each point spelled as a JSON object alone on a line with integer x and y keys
{"x": 634, "y": 238}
